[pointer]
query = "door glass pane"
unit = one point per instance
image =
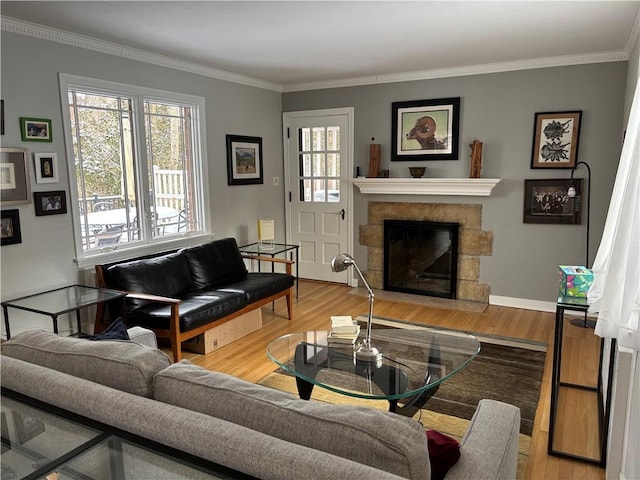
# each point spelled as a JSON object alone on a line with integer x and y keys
{"x": 304, "y": 139}
{"x": 319, "y": 190}
{"x": 305, "y": 165}
{"x": 333, "y": 191}
{"x": 318, "y": 165}
{"x": 305, "y": 190}
{"x": 333, "y": 165}
{"x": 333, "y": 138}
{"x": 318, "y": 139}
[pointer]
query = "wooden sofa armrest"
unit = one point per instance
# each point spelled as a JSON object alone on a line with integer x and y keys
{"x": 153, "y": 298}
{"x": 268, "y": 259}
{"x": 284, "y": 261}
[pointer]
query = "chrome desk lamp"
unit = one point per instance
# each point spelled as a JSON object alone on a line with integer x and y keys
{"x": 365, "y": 351}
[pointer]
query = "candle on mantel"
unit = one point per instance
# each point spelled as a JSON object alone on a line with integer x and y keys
{"x": 374, "y": 159}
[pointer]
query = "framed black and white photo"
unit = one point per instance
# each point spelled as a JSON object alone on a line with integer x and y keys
{"x": 35, "y": 129}
{"x": 425, "y": 129}
{"x": 10, "y": 227}
{"x": 46, "y": 167}
{"x": 50, "y": 203}
{"x": 244, "y": 160}
{"x": 555, "y": 139}
{"x": 548, "y": 201}
{"x": 15, "y": 185}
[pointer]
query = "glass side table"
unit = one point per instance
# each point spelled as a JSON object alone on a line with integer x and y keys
{"x": 272, "y": 250}
{"x": 563, "y": 391}
{"x": 414, "y": 364}
{"x": 56, "y": 302}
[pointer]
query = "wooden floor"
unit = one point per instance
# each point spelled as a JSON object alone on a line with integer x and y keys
{"x": 246, "y": 358}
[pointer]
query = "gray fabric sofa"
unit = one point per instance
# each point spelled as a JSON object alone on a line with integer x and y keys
{"x": 249, "y": 428}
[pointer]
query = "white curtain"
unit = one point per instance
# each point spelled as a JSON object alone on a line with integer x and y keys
{"x": 615, "y": 293}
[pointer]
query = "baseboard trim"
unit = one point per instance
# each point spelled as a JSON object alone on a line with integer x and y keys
{"x": 525, "y": 304}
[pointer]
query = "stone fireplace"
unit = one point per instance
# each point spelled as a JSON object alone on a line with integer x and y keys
{"x": 473, "y": 242}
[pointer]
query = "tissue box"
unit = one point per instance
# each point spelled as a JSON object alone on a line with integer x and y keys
{"x": 574, "y": 281}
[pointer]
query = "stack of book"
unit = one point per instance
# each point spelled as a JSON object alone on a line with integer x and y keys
{"x": 344, "y": 330}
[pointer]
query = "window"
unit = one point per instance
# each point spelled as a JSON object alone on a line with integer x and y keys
{"x": 319, "y": 164}
{"x": 138, "y": 176}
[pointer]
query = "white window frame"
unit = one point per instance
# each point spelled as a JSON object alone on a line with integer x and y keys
{"x": 201, "y": 175}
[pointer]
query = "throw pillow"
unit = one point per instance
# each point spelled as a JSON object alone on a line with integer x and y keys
{"x": 444, "y": 452}
{"x": 116, "y": 331}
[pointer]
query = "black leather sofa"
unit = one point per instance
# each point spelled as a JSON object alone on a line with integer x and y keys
{"x": 184, "y": 293}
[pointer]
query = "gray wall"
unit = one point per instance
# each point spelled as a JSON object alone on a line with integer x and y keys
{"x": 30, "y": 70}
{"x": 498, "y": 109}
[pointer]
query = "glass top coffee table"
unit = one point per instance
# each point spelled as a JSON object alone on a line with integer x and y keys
{"x": 414, "y": 364}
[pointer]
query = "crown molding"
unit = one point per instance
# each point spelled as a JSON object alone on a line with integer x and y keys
{"x": 548, "y": 62}
{"x": 21, "y": 27}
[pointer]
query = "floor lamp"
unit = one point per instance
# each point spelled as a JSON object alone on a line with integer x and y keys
{"x": 586, "y": 323}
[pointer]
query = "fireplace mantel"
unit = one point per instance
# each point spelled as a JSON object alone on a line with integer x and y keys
{"x": 477, "y": 187}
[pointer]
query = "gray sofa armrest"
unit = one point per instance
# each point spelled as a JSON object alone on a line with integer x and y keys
{"x": 489, "y": 448}
{"x": 143, "y": 336}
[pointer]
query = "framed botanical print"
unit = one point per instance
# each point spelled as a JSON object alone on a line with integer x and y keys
{"x": 555, "y": 139}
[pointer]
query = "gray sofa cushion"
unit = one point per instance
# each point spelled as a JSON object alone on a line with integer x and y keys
{"x": 379, "y": 439}
{"x": 120, "y": 364}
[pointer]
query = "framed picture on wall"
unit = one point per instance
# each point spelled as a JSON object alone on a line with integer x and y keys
{"x": 555, "y": 139}
{"x": 50, "y": 203}
{"x": 425, "y": 129}
{"x": 548, "y": 201}
{"x": 244, "y": 160}
{"x": 35, "y": 129}
{"x": 15, "y": 185}
{"x": 46, "y": 167}
{"x": 10, "y": 227}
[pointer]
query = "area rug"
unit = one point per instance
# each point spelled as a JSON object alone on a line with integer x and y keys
{"x": 506, "y": 369}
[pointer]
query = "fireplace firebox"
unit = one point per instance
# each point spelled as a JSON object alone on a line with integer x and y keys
{"x": 421, "y": 257}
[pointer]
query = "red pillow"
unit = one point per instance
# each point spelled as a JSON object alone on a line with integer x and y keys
{"x": 444, "y": 452}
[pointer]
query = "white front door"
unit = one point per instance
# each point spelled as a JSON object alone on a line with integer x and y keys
{"x": 318, "y": 161}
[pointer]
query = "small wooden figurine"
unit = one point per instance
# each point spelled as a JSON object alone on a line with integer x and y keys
{"x": 476, "y": 159}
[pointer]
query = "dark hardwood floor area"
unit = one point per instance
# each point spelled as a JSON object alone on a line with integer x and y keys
{"x": 246, "y": 357}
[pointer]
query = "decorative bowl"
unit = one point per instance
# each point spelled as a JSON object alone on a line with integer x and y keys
{"x": 417, "y": 172}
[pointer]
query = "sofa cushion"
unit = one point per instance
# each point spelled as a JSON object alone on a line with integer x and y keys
{"x": 376, "y": 438}
{"x": 257, "y": 286}
{"x": 215, "y": 263}
{"x": 166, "y": 276}
{"x": 120, "y": 364}
{"x": 197, "y": 309}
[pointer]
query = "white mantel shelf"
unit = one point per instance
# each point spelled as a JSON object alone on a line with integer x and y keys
{"x": 475, "y": 187}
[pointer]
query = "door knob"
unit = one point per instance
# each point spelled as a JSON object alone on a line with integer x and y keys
{"x": 342, "y": 212}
